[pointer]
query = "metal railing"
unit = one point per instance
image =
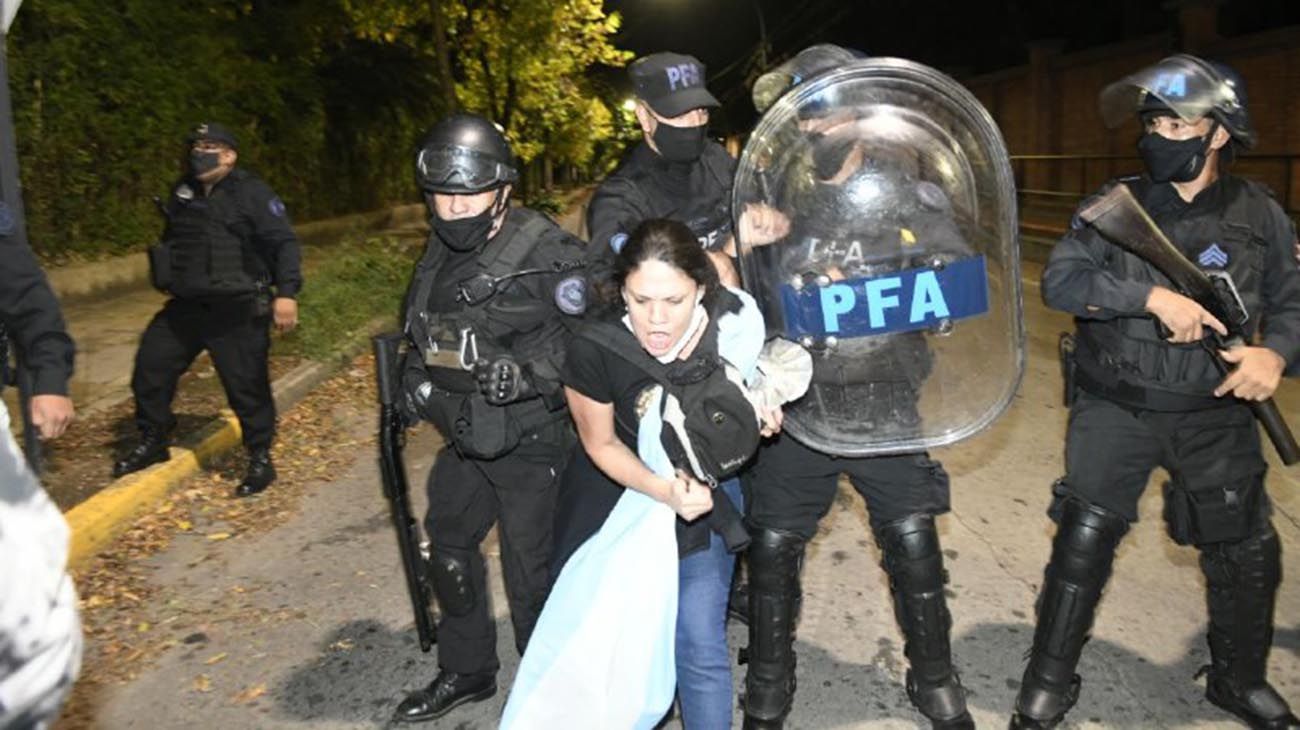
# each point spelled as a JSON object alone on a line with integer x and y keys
{"x": 1062, "y": 180}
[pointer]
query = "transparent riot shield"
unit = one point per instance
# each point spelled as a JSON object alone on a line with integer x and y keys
{"x": 901, "y": 269}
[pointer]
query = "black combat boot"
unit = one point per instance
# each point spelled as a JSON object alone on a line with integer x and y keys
{"x": 446, "y": 692}
{"x": 912, "y": 559}
{"x": 152, "y": 449}
{"x": 261, "y": 472}
{"x": 1083, "y": 552}
{"x": 775, "y": 558}
{"x": 1241, "y": 582}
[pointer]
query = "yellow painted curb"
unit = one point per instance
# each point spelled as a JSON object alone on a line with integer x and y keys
{"x": 99, "y": 519}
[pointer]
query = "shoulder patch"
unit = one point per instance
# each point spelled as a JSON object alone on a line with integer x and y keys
{"x": 276, "y": 207}
{"x": 571, "y": 295}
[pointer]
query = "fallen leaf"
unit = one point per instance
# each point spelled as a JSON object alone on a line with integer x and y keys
{"x": 250, "y": 694}
{"x": 219, "y": 536}
{"x": 203, "y": 683}
{"x": 183, "y": 525}
{"x": 215, "y": 659}
{"x": 343, "y": 644}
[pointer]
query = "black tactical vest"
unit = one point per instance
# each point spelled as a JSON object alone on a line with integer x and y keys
{"x": 1125, "y": 356}
{"x": 204, "y": 243}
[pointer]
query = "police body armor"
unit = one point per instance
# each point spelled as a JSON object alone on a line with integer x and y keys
{"x": 1127, "y": 359}
{"x": 489, "y": 323}
{"x": 708, "y": 216}
{"x": 901, "y": 274}
{"x": 203, "y": 252}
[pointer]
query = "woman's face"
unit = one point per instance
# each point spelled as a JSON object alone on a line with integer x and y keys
{"x": 660, "y": 301}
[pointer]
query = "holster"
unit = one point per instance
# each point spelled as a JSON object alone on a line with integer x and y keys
{"x": 160, "y": 266}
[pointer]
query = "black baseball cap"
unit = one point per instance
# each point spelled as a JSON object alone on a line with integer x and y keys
{"x": 213, "y": 132}
{"x": 670, "y": 83}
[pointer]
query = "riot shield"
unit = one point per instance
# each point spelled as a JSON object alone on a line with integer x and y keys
{"x": 901, "y": 270}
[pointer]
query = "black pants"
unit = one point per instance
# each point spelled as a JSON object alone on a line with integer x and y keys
{"x": 791, "y": 487}
{"x": 1214, "y": 456}
{"x": 238, "y": 339}
{"x": 466, "y": 497}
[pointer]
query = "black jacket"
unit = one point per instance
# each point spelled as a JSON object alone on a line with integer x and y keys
{"x": 253, "y": 213}
{"x": 1235, "y": 225}
{"x": 31, "y": 316}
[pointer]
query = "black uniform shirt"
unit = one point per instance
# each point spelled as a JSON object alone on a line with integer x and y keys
{"x": 31, "y": 315}
{"x": 259, "y": 220}
{"x": 647, "y": 186}
{"x": 1081, "y": 276}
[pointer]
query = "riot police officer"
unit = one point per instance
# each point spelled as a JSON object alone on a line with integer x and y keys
{"x": 873, "y": 382}
{"x": 1147, "y": 398}
{"x": 487, "y": 315}
{"x": 230, "y": 261}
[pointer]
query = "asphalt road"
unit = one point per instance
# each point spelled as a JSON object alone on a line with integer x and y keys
{"x": 311, "y": 628}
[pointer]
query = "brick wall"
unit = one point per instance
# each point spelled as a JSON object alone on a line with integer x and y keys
{"x": 1049, "y": 107}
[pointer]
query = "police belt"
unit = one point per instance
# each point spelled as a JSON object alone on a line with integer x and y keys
{"x": 1115, "y": 388}
{"x": 445, "y": 370}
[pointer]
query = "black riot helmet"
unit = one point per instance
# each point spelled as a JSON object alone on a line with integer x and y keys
{"x": 1187, "y": 87}
{"x": 464, "y": 154}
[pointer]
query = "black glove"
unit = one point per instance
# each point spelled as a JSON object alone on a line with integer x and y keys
{"x": 502, "y": 381}
{"x": 416, "y": 392}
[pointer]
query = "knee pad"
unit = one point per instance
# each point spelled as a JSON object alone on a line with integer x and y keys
{"x": 1086, "y": 538}
{"x": 452, "y": 584}
{"x": 911, "y": 555}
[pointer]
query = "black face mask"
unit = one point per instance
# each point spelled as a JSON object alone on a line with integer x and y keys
{"x": 464, "y": 234}
{"x": 1169, "y": 160}
{"x": 202, "y": 162}
{"x": 680, "y": 144}
{"x": 829, "y": 154}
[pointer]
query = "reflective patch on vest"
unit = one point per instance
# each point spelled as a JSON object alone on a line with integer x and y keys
{"x": 1213, "y": 257}
{"x": 276, "y": 207}
{"x": 571, "y": 295}
{"x": 7, "y": 222}
{"x": 184, "y": 192}
{"x": 617, "y": 241}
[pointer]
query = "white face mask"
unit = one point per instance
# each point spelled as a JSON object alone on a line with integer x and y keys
{"x": 698, "y": 318}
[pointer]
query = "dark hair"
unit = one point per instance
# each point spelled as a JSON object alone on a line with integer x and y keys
{"x": 669, "y": 241}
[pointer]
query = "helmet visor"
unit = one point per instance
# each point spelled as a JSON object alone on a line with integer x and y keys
{"x": 460, "y": 170}
{"x": 1189, "y": 87}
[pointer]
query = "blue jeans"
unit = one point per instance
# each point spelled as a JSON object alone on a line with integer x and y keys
{"x": 703, "y": 661}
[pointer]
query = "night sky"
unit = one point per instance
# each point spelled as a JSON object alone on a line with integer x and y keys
{"x": 961, "y": 38}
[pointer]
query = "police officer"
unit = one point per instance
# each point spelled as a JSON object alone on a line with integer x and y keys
{"x": 1148, "y": 398}
{"x": 487, "y": 315}
{"x": 791, "y": 485}
{"x": 676, "y": 171}
{"x": 230, "y": 261}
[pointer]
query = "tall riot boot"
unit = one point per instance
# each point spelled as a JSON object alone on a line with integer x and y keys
{"x": 152, "y": 449}
{"x": 1083, "y": 552}
{"x": 1241, "y": 584}
{"x": 912, "y": 558}
{"x": 775, "y": 559}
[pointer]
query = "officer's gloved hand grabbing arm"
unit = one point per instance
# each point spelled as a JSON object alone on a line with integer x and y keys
{"x": 503, "y": 381}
